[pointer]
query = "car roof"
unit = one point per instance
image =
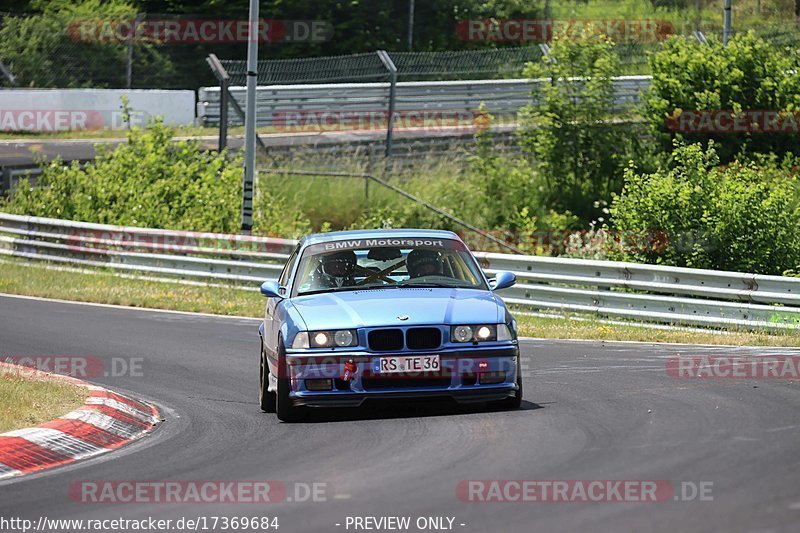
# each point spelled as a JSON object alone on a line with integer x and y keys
{"x": 317, "y": 238}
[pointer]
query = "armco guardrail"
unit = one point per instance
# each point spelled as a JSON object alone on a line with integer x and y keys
{"x": 502, "y": 98}
{"x": 10, "y": 175}
{"x": 212, "y": 256}
{"x": 650, "y": 292}
{"x": 605, "y": 288}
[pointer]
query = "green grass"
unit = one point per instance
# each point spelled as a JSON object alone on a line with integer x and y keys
{"x": 589, "y": 329}
{"x": 104, "y": 287}
{"x": 29, "y": 402}
{"x": 333, "y": 203}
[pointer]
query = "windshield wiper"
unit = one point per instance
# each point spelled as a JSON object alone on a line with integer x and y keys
{"x": 345, "y": 288}
{"x": 327, "y": 289}
{"x": 431, "y": 285}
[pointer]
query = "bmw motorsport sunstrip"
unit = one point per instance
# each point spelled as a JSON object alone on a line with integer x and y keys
{"x": 358, "y": 315}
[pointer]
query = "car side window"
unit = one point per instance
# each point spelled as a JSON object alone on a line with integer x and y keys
{"x": 288, "y": 267}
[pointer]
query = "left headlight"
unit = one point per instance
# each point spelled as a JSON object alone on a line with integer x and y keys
{"x": 337, "y": 338}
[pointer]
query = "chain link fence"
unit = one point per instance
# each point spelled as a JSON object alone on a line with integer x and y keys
{"x": 68, "y": 51}
{"x": 492, "y": 63}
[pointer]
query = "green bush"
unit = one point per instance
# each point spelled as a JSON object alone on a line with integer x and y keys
{"x": 748, "y": 74}
{"x": 149, "y": 181}
{"x": 741, "y": 217}
{"x": 572, "y": 136}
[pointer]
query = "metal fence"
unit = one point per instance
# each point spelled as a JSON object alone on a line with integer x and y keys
{"x": 638, "y": 292}
{"x": 290, "y": 106}
{"x": 376, "y": 90}
{"x": 414, "y": 116}
{"x": 10, "y": 176}
{"x": 209, "y": 256}
{"x": 490, "y": 63}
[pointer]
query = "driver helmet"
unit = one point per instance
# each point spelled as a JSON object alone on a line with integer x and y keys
{"x": 422, "y": 262}
{"x": 339, "y": 264}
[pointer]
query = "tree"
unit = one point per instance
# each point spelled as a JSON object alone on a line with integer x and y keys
{"x": 42, "y": 50}
{"x": 572, "y": 134}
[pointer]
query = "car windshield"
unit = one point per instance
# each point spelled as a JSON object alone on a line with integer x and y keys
{"x": 386, "y": 263}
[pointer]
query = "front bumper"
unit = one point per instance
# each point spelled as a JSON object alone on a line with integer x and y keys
{"x": 459, "y": 377}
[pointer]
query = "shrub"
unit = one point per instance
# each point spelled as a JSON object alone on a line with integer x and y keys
{"x": 741, "y": 217}
{"x": 149, "y": 181}
{"x": 572, "y": 135}
{"x": 748, "y": 74}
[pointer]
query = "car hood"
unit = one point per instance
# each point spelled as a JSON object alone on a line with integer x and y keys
{"x": 381, "y": 307}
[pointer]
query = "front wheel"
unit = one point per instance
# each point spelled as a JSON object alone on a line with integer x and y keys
{"x": 266, "y": 399}
{"x": 514, "y": 402}
{"x": 286, "y": 411}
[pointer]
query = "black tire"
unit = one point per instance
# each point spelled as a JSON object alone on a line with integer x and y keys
{"x": 513, "y": 402}
{"x": 266, "y": 399}
{"x": 284, "y": 408}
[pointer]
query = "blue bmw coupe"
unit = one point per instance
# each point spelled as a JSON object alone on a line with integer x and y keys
{"x": 361, "y": 315}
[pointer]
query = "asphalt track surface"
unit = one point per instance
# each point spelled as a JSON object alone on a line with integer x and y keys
{"x": 593, "y": 411}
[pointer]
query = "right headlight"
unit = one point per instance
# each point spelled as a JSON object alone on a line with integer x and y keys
{"x": 480, "y": 333}
{"x": 473, "y": 333}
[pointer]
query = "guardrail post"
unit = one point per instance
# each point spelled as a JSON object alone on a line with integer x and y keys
{"x": 390, "y": 66}
{"x": 8, "y": 75}
{"x": 225, "y": 98}
{"x": 5, "y": 184}
{"x": 224, "y": 81}
{"x": 700, "y": 37}
{"x": 726, "y": 35}
{"x": 223, "y": 113}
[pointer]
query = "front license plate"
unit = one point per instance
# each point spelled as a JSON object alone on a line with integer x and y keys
{"x": 407, "y": 363}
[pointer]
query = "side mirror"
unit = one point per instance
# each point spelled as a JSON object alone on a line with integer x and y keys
{"x": 271, "y": 289}
{"x": 503, "y": 280}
